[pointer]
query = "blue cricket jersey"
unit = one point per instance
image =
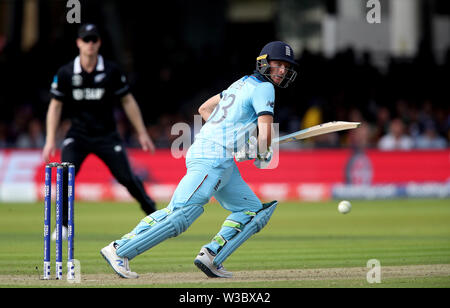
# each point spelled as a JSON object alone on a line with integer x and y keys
{"x": 235, "y": 118}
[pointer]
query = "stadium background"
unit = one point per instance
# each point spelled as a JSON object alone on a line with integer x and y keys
{"x": 177, "y": 54}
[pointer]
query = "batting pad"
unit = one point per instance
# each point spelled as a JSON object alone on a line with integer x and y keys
{"x": 172, "y": 225}
{"x": 254, "y": 226}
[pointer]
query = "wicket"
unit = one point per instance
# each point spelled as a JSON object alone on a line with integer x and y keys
{"x": 58, "y": 217}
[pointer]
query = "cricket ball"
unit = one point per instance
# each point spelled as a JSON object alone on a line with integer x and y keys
{"x": 344, "y": 207}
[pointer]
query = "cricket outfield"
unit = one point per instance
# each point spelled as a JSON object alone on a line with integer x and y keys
{"x": 303, "y": 245}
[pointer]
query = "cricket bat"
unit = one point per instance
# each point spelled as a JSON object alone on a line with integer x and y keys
{"x": 317, "y": 130}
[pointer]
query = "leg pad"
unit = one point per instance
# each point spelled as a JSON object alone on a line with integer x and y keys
{"x": 162, "y": 228}
{"x": 253, "y": 226}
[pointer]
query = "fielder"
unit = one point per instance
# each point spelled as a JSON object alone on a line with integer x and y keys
{"x": 90, "y": 88}
{"x": 211, "y": 170}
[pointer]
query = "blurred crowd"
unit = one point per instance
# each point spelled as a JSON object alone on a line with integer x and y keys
{"x": 404, "y": 107}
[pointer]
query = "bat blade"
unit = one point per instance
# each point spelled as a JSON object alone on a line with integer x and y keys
{"x": 317, "y": 130}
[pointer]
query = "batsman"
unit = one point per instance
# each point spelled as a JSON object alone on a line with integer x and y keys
{"x": 231, "y": 117}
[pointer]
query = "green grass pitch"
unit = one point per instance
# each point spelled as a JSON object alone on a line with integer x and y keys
{"x": 300, "y": 236}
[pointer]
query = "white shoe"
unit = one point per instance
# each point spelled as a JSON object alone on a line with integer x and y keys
{"x": 119, "y": 265}
{"x": 204, "y": 262}
{"x": 63, "y": 235}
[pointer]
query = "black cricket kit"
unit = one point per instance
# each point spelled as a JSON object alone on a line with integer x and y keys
{"x": 89, "y": 101}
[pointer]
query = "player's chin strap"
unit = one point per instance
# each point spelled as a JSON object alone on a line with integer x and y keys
{"x": 253, "y": 226}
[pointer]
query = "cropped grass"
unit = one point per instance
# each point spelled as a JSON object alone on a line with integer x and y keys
{"x": 300, "y": 235}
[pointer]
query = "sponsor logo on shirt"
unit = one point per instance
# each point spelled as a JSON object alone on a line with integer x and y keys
{"x": 88, "y": 94}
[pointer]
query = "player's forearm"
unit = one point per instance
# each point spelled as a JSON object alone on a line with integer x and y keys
{"x": 53, "y": 118}
{"x": 264, "y": 141}
{"x": 264, "y": 133}
{"x": 207, "y": 108}
{"x": 133, "y": 113}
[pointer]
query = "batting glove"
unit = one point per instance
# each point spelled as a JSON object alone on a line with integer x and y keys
{"x": 263, "y": 159}
{"x": 248, "y": 151}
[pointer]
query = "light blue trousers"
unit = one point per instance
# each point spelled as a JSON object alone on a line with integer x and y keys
{"x": 204, "y": 179}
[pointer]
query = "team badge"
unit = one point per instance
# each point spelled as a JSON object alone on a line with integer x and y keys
{"x": 288, "y": 51}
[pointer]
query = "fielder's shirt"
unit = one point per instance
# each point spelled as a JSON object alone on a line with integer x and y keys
{"x": 90, "y": 98}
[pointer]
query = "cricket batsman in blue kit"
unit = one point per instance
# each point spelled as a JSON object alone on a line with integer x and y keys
{"x": 231, "y": 117}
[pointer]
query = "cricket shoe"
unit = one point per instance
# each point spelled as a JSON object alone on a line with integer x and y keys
{"x": 204, "y": 262}
{"x": 120, "y": 265}
{"x": 63, "y": 234}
